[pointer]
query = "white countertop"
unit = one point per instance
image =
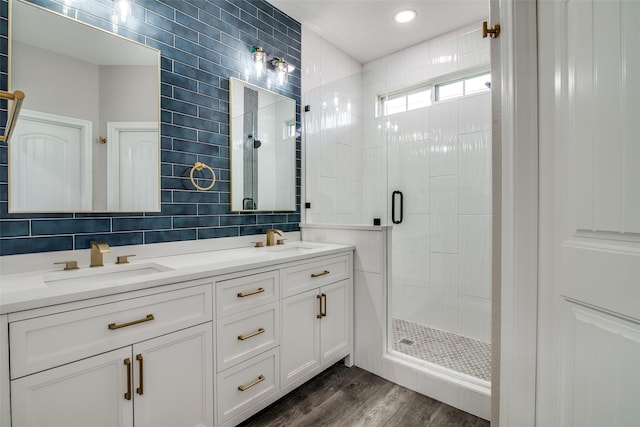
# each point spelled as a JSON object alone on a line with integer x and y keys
{"x": 25, "y": 291}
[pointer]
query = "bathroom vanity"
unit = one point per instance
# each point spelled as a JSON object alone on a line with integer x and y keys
{"x": 200, "y": 339}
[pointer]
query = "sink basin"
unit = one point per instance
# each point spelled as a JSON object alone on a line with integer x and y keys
{"x": 101, "y": 274}
{"x": 294, "y": 247}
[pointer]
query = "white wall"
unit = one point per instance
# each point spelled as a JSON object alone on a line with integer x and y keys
{"x": 55, "y": 83}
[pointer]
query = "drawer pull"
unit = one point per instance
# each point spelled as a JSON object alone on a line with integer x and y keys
{"x": 246, "y": 294}
{"x": 140, "y": 389}
{"x": 127, "y": 363}
{"x": 113, "y": 326}
{"x": 248, "y": 386}
{"x": 252, "y": 334}
{"x": 324, "y": 273}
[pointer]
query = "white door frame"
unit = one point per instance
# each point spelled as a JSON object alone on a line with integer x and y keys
{"x": 516, "y": 208}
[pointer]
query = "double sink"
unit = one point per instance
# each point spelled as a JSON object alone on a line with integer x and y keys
{"x": 112, "y": 273}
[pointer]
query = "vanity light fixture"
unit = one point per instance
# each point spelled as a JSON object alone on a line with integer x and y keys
{"x": 121, "y": 10}
{"x": 259, "y": 60}
{"x": 262, "y": 62}
{"x": 404, "y": 16}
{"x": 281, "y": 68}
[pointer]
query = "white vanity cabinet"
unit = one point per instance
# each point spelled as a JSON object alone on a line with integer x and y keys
{"x": 144, "y": 361}
{"x": 205, "y": 348}
{"x": 316, "y": 316}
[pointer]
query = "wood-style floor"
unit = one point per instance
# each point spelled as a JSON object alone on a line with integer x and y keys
{"x": 349, "y": 397}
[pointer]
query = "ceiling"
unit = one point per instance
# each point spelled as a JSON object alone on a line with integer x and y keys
{"x": 365, "y": 30}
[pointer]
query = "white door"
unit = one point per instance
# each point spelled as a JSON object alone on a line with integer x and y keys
{"x": 589, "y": 289}
{"x": 133, "y": 166}
{"x": 50, "y": 163}
{"x": 173, "y": 379}
{"x": 90, "y": 392}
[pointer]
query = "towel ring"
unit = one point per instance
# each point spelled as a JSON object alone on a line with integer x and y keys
{"x": 198, "y": 166}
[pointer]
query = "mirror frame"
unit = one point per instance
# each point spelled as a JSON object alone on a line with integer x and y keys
{"x": 108, "y": 34}
{"x": 295, "y": 138}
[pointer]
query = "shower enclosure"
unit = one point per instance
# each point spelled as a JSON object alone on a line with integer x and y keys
{"x": 407, "y": 145}
{"x": 427, "y": 173}
{"x": 439, "y": 179}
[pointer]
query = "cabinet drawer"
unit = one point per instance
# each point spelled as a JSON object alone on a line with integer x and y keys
{"x": 44, "y": 342}
{"x": 244, "y": 293}
{"x": 244, "y": 335}
{"x": 300, "y": 278}
{"x": 248, "y": 383}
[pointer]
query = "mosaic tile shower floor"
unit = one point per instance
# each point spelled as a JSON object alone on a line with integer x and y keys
{"x": 452, "y": 351}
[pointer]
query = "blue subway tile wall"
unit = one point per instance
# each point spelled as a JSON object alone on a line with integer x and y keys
{"x": 202, "y": 44}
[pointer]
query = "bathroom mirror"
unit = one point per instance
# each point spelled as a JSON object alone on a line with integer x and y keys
{"x": 263, "y": 149}
{"x": 87, "y": 138}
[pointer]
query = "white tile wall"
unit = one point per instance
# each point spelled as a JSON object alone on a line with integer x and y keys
{"x": 443, "y": 133}
{"x": 475, "y": 173}
{"x": 475, "y": 113}
{"x": 475, "y": 256}
{"x": 323, "y": 63}
{"x": 444, "y": 214}
{"x": 475, "y": 317}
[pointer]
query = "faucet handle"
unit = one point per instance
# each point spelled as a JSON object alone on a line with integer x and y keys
{"x": 123, "y": 259}
{"x": 68, "y": 265}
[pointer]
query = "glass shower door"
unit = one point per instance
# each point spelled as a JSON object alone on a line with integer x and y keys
{"x": 439, "y": 174}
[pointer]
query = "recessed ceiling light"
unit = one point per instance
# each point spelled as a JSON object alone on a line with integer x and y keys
{"x": 404, "y": 16}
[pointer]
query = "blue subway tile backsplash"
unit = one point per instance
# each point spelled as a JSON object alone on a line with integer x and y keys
{"x": 202, "y": 44}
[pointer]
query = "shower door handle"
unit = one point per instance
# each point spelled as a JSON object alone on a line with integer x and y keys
{"x": 397, "y": 195}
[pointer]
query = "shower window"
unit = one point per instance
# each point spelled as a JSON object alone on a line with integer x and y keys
{"x": 427, "y": 94}
{"x": 405, "y": 101}
{"x": 462, "y": 87}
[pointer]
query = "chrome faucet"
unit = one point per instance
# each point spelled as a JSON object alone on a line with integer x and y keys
{"x": 271, "y": 234}
{"x": 97, "y": 249}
